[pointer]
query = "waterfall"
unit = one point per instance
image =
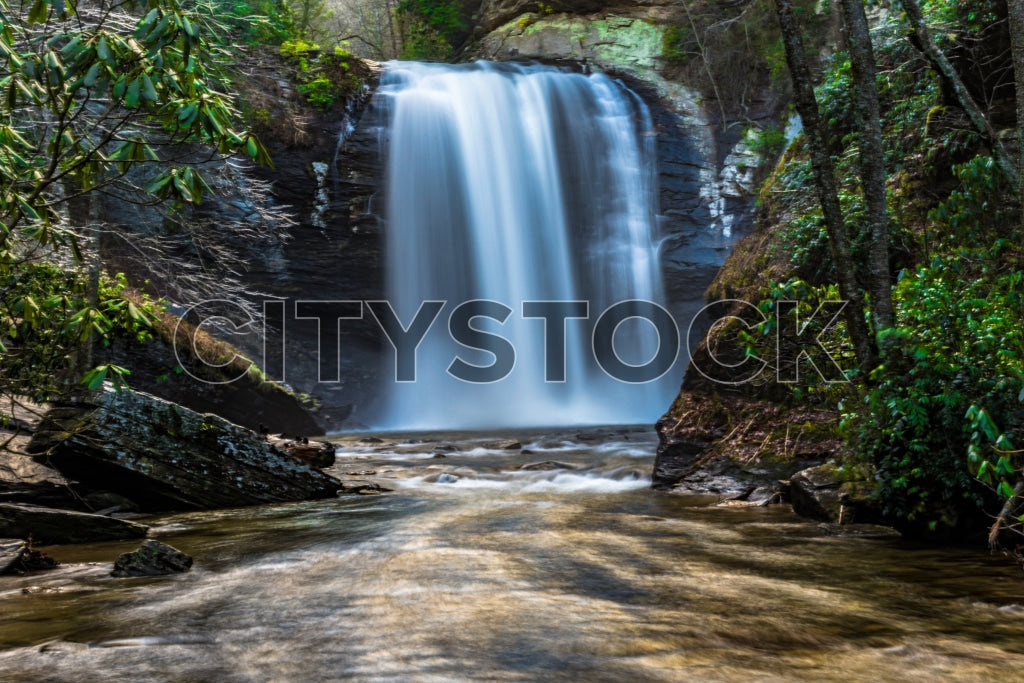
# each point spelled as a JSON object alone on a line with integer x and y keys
{"x": 515, "y": 183}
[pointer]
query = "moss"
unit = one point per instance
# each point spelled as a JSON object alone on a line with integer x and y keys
{"x": 612, "y": 40}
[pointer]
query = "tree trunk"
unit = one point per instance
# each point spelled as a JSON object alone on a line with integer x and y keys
{"x": 872, "y": 161}
{"x": 927, "y": 45}
{"x": 1016, "y": 11}
{"x": 828, "y": 188}
{"x": 389, "y": 6}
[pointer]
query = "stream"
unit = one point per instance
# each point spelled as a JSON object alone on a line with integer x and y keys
{"x": 474, "y": 569}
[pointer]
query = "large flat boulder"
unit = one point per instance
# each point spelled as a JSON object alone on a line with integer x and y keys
{"x": 164, "y": 457}
{"x": 48, "y": 526}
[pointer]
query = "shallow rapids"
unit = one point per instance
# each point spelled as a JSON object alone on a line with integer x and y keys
{"x": 475, "y": 568}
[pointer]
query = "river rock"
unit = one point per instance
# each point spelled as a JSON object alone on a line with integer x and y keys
{"x": 546, "y": 465}
{"x": 163, "y": 456}
{"x": 152, "y": 558}
{"x": 504, "y": 445}
{"x": 318, "y": 454}
{"x": 815, "y": 493}
{"x": 48, "y": 526}
{"x": 10, "y": 552}
{"x": 858, "y": 530}
{"x": 363, "y": 488}
{"x": 827, "y": 494}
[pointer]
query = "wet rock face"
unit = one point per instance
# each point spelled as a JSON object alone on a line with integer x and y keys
{"x": 152, "y": 558}
{"x": 163, "y": 456}
{"x": 332, "y": 179}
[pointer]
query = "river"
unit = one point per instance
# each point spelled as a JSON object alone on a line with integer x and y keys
{"x": 472, "y": 569}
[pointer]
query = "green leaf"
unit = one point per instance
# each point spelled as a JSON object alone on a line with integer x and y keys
{"x": 146, "y": 24}
{"x": 39, "y": 12}
{"x": 148, "y": 91}
{"x": 131, "y": 98}
{"x": 91, "y": 75}
{"x": 187, "y": 114}
{"x": 983, "y": 471}
{"x": 103, "y": 51}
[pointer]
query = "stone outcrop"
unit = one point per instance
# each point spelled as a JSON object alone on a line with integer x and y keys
{"x": 152, "y": 558}
{"x": 163, "y": 456}
{"x": 243, "y": 398}
{"x": 726, "y": 443}
{"x": 47, "y": 526}
{"x": 491, "y": 14}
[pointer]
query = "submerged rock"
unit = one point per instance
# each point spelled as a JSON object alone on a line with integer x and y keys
{"x": 859, "y": 530}
{"x": 759, "y": 496}
{"x": 363, "y": 488}
{"x": 152, "y": 558}
{"x": 546, "y": 465}
{"x": 47, "y": 526}
{"x": 163, "y": 456}
{"x": 504, "y": 445}
{"x": 27, "y": 560}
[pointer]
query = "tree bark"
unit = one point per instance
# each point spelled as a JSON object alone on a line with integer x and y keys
{"x": 963, "y": 96}
{"x": 827, "y": 186}
{"x": 1016, "y": 15}
{"x": 872, "y": 161}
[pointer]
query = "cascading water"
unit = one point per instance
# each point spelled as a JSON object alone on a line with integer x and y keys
{"x": 518, "y": 183}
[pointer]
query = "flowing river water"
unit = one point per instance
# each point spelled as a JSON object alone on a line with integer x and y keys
{"x": 474, "y": 569}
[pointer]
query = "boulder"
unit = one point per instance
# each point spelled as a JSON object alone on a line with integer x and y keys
{"x": 815, "y": 493}
{"x": 828, "y": 494}
{"x": 318, "y": 454}
{"x": 163, "y": 456}
{"x": 48, "y": 526}
{"x": 152, "y": 558}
